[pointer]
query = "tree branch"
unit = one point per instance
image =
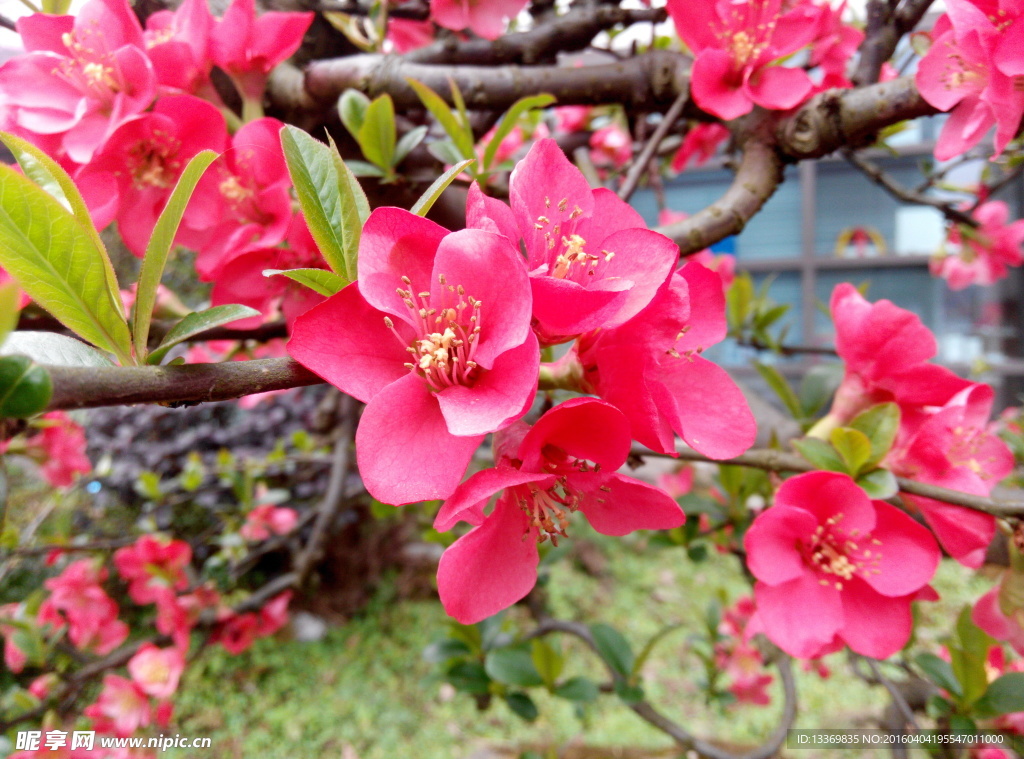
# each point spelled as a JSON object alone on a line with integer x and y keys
{"x": 646, "y": 81}
{"x": 89, "y": 387}
{"x": 629, "y": 184}
{"x": 885, "y": 29}
{"x": 876, "y": 174}
{"x": 779, "y": 461}
{"x": 759, "y": 173}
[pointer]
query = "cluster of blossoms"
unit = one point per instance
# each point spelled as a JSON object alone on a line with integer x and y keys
{"x": 442, "y": 341}
{"x": 124, "y": 108}
{"x": 973, "y": 70}
{"x": 156, "y": 572}
{"x": 57, "y": 446}
{"x": 739, "y": 50}
{"x": 981, "y": 255}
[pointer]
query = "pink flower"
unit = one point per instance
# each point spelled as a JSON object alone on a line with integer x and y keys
{"x": 156, "y": 671}
{"x": 988, "y": 615}
{"x": 736, "y": 43}
{"x": 564, "y": 463}
{"x": 652, "y": 370}
{"x": 177, "y": 615}
{"x": 242, "y": 203}
{"x": 43, "y": 685}
{"x": 700, "y": 145}
{"x": 611, "y": 147}
{"x": 405, "y": 34}
{"x": 512, "y": 143}
{"x": 131, "y": 177}
{"x": 274, "y": 615}
{"x": 154, "y": 567}
{"x": 985, "y": 253}
{"x": 265, "y": 520}
{"x": 81, "y": 77}
{"x": 236, "y": 633}
{"x": 572, "y": 118}
{"x": 241, "y": 279}
{"x": 831, "y": 563}
{"x": 593, "y": 263}
{"x": 121, "y": 709}
{"x": 484, "y": 17}
{"x": 177, "y": 44}
{"x": 951, "y": 446}
{"x": 59, "y": 449}
{"x": 14, "y": 657}
{"x": 435, "y": 339}
{"x": 247, "y": 47}
{"x": 835, "y": 44}
{"x": 886, "y": 349}
{"x": 678, "y": 483}
{"x": 91, "y": 615}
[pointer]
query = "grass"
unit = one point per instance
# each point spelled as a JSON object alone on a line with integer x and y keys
{"x": 365, "y": 692}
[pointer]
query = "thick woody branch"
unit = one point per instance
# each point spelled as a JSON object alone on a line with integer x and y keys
{"x": 573, "y": 31}
{"x": 780, "y": 461}
{"x": 88, "y": 387}
{"x": 885, "y": 29}
{"x": 646, "y": 81}
{"x": 848, "y": 118}
{"x": 758, "y": 174}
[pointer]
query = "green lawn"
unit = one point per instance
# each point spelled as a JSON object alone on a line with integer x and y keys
{"x": 365, "y": 690}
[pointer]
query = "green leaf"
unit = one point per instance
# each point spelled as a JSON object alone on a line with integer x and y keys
{"x": 613, "y": 648}
{"x": 879, "y": 484}
{"x": 738, "y": 300}
{"x": 577, "y": 689}
{"x": 159, "y": 248}
{"x": 55, "y": 259}
{"x": 52, "y": 349}
{"x": 10, "y": 296}
{"x": 56, "y": 7}
{"x": 446, "y": 152}
{"x": 820, "y": 454}
{"x": 362, "y": 205}
{"x": 853, "y": 447}
{"x": 508, "y": 123}
{"x": 428, "y": 198}
{"x": 469, "y": 677}
{"x": 198, "y": 322}
{"x": 365, "y": 169}
{"x": 513, "y": 666}
{"x": 325, "y": 198}
{"x": 352, "y": 107}
{"x": 939, "y": 672}
{"x": 522, "y": 705}
{"x": 409, "y": 140}
{"x": 548, "y": 662}
{"x": 444, "y": 651}
{"x": 25, "y": 387}
{"x": 818, "y": 385}
{"x": 781, "y": 388}
{"x": 377, "y": 135}
{"x": 968, "y": 657}
{"x": 1004, "y": 695}
{"x": 459, "y": 132}
{"x": 648, "y": 649}
{"x": 879, "y": 424}
{"x": 325, "y": 282}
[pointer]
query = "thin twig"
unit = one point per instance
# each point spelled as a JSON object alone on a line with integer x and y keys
{"x": 897, "y": 697}
{"x": 629, "y": 184}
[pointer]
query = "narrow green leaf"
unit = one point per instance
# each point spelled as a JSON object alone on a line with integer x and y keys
{"x": 49, "y": 175}
{"x": 51, "y": 349}
{"x": 853, "y": 446}
{"x": 365, "y": 169}
{"x": 508, "y": 123}
{"x": 522, "y": 705}
{"x": 1004, "y": 695}
{"x": 648, "y": 649}
{"x": 377, "y": 134}
{"x": 358, "y": 196}
{"x": 613, "y": 648}
{"x": 198, "y": 322}
{"x": 159, "y": 248}
{"x": 10, "y": 296}
{"x": 323, "y": 195}
{"x": 968, "y": 658}
{"x": 577, "y": 689}
{"x": 879, "y": 484}
{"x": 781, "y": 388}
{"x": 738, "y": 300}
{"x": 55, "y": 260}
{"x": 818, "y": 385}
{"x": 352, "y": 107}
{"x": 423, "y": 205}
{"x": 56, "y": 7}
{"x": 820, "y": 454}
{"x": 512, "y": 666}
{"x": 547, "y": 660}
{"x": 879, "y": 424}
{"x": 409, "y": 140}
{"x": 939, "y": 672}
{"x": 461, "y": 138}
{"x": 25, "y": 387}
{"x": 327, "y": 283}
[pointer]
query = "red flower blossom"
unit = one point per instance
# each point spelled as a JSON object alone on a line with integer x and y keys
{"x": 564, "y": 463}
{"x": 154, "y": 567}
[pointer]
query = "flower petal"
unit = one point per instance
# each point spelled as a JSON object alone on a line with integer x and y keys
{"x": 618, "y": 505}
{"x": 470, "y": 498}
{"x": 907, "y": 557}
{"x": 800, "y": 616}
{"x": 773, "y": 543}
{"x": 874, "y": 625}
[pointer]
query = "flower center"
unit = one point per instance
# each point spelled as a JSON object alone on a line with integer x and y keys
{"x": 450, "y": 332}
{"x": 838, "y": 556}
{"x": 154, "y": 163}
{"x": 548, "y": 509}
